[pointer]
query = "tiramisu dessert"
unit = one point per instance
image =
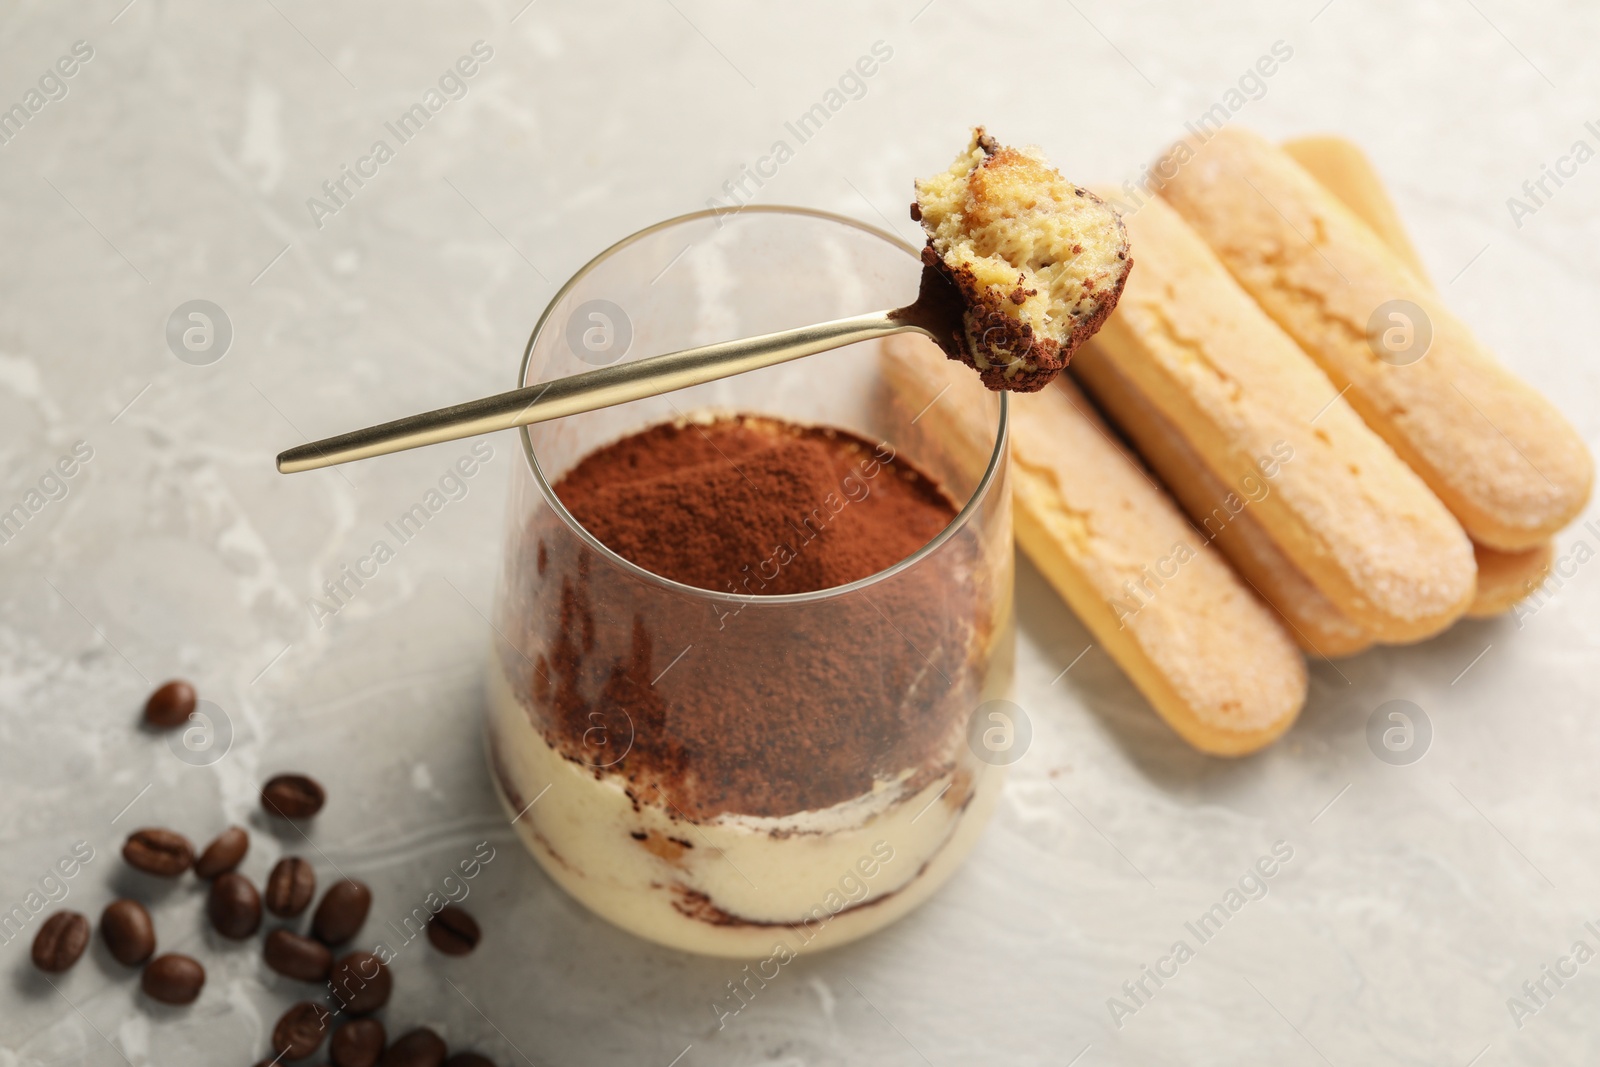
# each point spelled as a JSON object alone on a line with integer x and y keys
{"x": 1040, "y": 262}
{"x": 704, "y": 754}
{"x": 710, "y": 758}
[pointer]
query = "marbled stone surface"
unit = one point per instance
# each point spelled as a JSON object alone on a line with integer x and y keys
{"x": 178, "y": 166}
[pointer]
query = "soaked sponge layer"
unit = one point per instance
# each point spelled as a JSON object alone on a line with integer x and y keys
{"x": 1039, "y": 261}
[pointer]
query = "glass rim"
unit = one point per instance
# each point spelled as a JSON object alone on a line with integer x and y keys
{"x": 963, "y": 516}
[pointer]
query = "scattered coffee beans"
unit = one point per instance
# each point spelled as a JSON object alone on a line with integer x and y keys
{"x": 300, "y": 1030}
{"x": 293, "y": 796}
{"x": 223, "y": 854}
{"x": 234, "y": 906}
{"x": 128, "y": 932}
{"x": 173, "y": 979}
{"x": 170, "y": 705}
{"x": 342, "y": 911}
{"x": 159, "y": 852}
{"x": 60, "y": 941}
{"x": 419, "y": 1048}
{"x": 358, "y": 1043}
{"x": 453, "y": 931}
{"x": 290, "y": 887}
{"x": 297, "y": 956}
{"x": 360, "y": 983}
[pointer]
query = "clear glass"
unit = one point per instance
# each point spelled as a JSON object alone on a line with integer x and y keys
{"x": 841, "y": 790}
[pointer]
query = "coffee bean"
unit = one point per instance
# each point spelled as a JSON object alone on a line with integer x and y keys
{"x": 360, "y": 983}
{"x": 60, "y": 941}
{"x": 234, "y": 906}
{"x": 170, "y": 705}
{"x": 300, "y": 1030}
{"x": 293, "y": 796}
{"x": 223, "y": 854}
{"x": 173, "y": 979}
{"x": 453, "y": 931}
{"x": 297, "y": 956}
{"x": 342, "y": 911}
{"x": 468, "y": 1059}
{"x": 290, "y": 887}
{"x": 358, "y": 1043}
{"x": 420, "y": 1048}
{"x": 159, "y": 852}
{"x": 128, "y": 932}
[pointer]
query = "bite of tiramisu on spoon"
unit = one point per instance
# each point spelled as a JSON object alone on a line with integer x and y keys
{"x": 1021, "y": 267}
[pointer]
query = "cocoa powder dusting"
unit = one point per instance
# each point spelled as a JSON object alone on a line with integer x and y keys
{"x": 707, "y": 505}
{"x": 718, "y": 706}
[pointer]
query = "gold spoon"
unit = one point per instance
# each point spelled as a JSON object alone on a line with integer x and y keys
{"x": 935, "y": 313}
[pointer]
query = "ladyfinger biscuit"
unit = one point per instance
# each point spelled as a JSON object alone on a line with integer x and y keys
{"x": 1504, "y": 578}
{"x": 1225, "y": 518}
{"x": 1211, "y": 658}
{"x": 1500, "y": 456}
{"x": 1335, "y": 499}
{"x": 1343, "y": 169}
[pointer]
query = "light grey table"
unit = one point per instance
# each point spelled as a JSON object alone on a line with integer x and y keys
{"x": 178, "y": 166}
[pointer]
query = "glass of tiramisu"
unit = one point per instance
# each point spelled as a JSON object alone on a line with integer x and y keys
{"x": 744, "y": 630}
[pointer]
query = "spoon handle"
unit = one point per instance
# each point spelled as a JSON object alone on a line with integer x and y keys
{"x": 593, "y": 389}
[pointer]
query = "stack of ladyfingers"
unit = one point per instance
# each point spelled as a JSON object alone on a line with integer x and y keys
{"x": 1359, "y": 498}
